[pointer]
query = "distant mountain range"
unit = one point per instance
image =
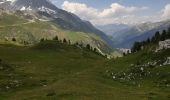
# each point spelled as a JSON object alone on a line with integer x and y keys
{"x": 112, "y": 28}
{"x": 45, "y": 11}
{"x": 125, "y": 36}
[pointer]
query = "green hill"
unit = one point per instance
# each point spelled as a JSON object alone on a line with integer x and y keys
{"x": 51, "y": 70}
{"x": 30, "y": 32}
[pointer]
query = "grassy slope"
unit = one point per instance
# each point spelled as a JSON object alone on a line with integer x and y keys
{"x": 32, "y": 32}
{"x": 67, "y": 73}
{"x": 8, "y": 19}
{"x": 153, "y": 82}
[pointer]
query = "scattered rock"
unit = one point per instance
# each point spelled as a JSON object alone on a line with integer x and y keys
{"x": 114, "y": 77}
{"x": 163, "y": 45}
{"x": 167, "y": 62}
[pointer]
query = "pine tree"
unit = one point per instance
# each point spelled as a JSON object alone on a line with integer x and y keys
{"x": 95, "y": 50}
{"x": 136, "y": 47}
{"x": 163, "y": 36}
{"x": 157, "y": 36}
{"x": 168, "y": 33}
{"x": 128, "y": 52}
{"x": 76, "y": 43}
{"x": 124, "y": 54}
{"x": 55, "y": 38}
{"x": 69, "y": 42}
{"x": 153, "y": 39}
{"x": 64, "y": 40}
{"x": 13, "y": 39}
{"x": 88, "y": 46}
{"x": 41, "y": 40}
{"x": 148, "y": 41}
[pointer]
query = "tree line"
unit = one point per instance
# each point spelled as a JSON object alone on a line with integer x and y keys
{"x": 155, "y": 39}
{"x": 77, "y": 44}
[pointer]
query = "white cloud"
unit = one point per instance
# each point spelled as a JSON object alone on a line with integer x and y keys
{"x": 117, "y": 10}
{"x": 81, "y": 10}
{"x": 116, "y": 13}
{"x": 166, "y": 11}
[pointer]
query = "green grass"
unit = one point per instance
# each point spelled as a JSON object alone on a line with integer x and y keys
{"x": 10, "y": 19}
{"x": 50, "y": 71}
{"x": 13, "y": 26}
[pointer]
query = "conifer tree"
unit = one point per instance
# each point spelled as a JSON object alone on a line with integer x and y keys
{"x": 64, "y": 40}
{"x": 168, "y": 33}
{"x": 56, "y": 38}
{"x": 95, "y": 50}
{"x": 148, "y": 41}
{"x": 157, "y": 36}
{"x": 13, "y": 39}
{"x": 41, "y": 40}
{"x": 88, "y": 46}
{"x": 163, "y": 36}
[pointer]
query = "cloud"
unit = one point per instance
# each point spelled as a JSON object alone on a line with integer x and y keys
{"x": 166, "y": 11}
{"x": 117, "y": 10}
{"x": 81, "y": 10}
{"x": 116, "y": 13}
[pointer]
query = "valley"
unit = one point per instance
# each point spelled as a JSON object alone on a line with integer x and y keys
{"x": 51, "y": 52}
{"x": 52, "y": 70}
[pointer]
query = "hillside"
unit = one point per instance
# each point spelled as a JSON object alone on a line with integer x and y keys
{"x": 51, "y": 70}
{"x": 47, "y": 53}
{"x": 30, "y": 32}
{"x": 125, "y": 37}
{"x": 144, "y": 70}
{"x": 28, "y": 21}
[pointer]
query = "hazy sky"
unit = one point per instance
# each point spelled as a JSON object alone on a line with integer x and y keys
{"x": 101, "y": 12}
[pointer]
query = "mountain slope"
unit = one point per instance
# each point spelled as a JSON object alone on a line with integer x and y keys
{"x": 127, "y": 37}
{"x": 42, "y": 13}
{"x": 63, "y": 18}
{"x": 30, "y": 32}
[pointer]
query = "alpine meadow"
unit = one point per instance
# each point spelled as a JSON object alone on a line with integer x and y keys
{"x": 84, "y": 50}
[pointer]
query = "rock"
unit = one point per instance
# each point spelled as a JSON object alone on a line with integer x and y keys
{"x": 114, "y": 77}
{"x": 163, "y": 45}
{"x": 167, "y": 62}
{"x": 7, "y": 87}
{"x": 141, "y": 68}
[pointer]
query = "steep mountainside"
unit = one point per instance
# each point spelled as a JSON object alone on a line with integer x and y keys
{"x": 63, "y": 18}
{"x": 42, "y": 13}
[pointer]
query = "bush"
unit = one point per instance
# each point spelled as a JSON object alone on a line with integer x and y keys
{"x": 14, "y": 40}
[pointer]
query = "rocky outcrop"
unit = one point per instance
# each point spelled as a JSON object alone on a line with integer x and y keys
{"x": 167, "y": 62}
{"x": 163, "y": 45}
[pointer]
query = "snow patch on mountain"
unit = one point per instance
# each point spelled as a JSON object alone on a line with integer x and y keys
{"x": 24, "y": 8}
{"x": 11, "y": 1}
{"x": 45, "y": 9}
{"x": 5, "y": 1}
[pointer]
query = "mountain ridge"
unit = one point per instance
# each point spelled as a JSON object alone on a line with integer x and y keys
{"x": 126, "y": 37}
{"x": 45, "y": 11}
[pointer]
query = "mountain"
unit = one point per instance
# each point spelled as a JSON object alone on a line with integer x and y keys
{"x": 126, "y": 37}
{"x": 5, "y": 4}
{"x": 63, "y": 18}
{"x": 112, "y": 28}
{"x": 66, "y": 23}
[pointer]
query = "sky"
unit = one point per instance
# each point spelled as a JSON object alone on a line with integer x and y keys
{"x": 103, "y": 12}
